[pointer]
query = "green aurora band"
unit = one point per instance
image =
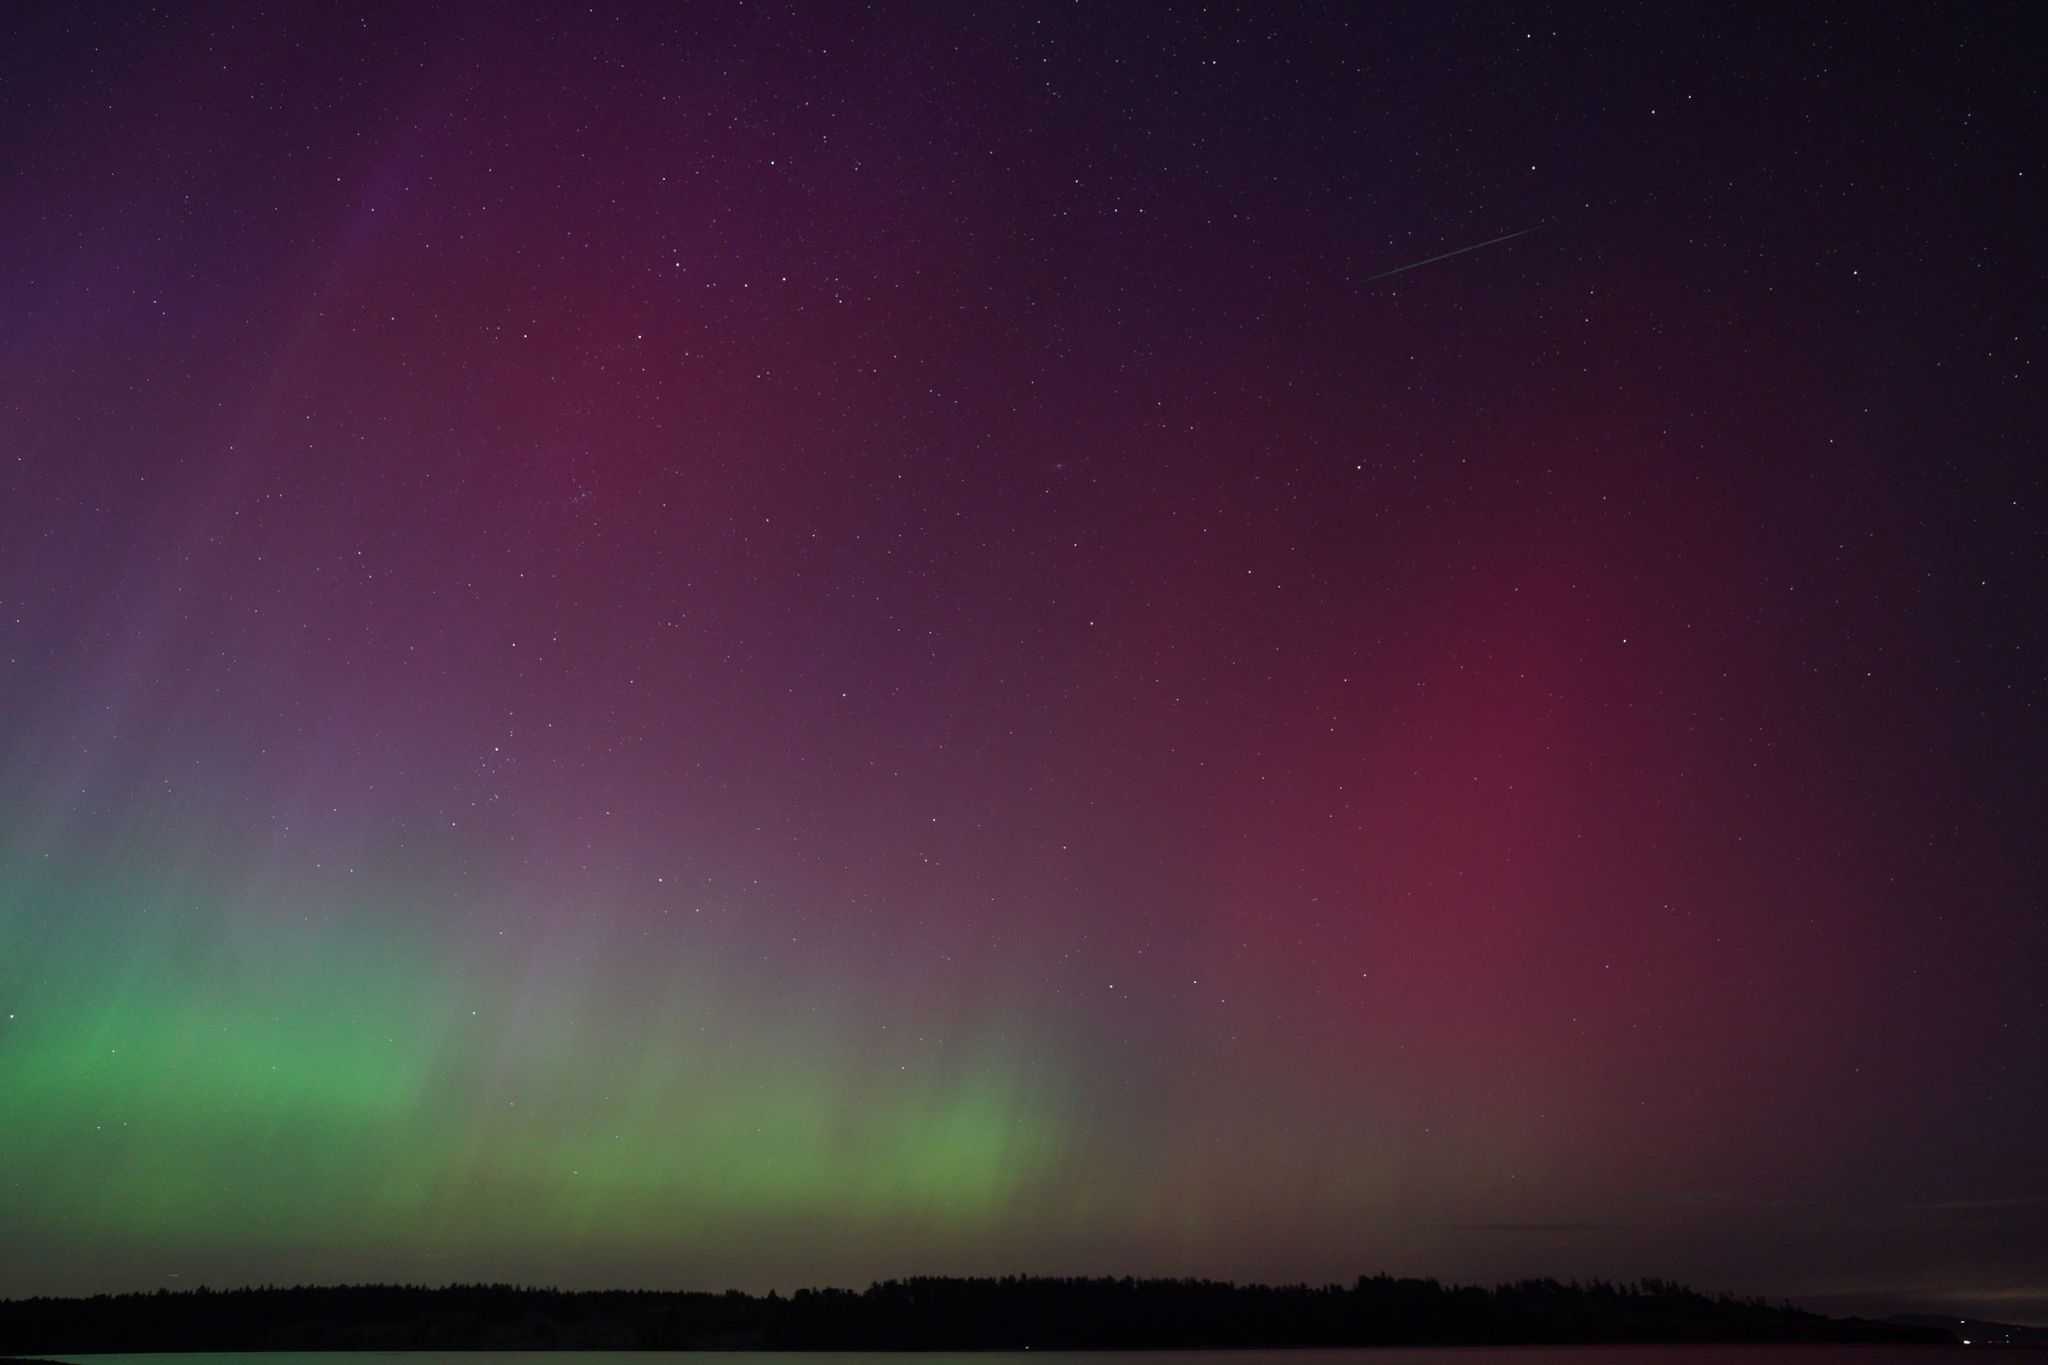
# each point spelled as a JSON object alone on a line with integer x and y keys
{"x": 176, "y": 1073}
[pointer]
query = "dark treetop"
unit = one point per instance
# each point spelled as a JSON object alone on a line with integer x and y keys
{"x": 921, "y": 1314}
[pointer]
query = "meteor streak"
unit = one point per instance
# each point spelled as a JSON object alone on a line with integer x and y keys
{"x": 1417, "y": 265}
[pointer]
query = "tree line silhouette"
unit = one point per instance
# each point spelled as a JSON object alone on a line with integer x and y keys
{"x": 1014, "y": 1312}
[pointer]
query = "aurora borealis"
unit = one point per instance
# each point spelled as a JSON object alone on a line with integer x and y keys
{"x": 767, "y": 645}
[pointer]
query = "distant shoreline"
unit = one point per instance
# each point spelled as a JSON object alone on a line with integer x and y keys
{"x": 1013, "y": 1313}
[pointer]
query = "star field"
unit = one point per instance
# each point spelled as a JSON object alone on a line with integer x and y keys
{"x": 779, "y": 644}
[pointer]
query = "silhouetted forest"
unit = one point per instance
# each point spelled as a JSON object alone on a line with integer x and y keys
{"x": 918, "y": 1314}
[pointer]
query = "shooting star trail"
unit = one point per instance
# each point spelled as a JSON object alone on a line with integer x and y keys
{"x": 1417, "y": 265}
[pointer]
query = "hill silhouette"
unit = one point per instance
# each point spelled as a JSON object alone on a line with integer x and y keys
{"x": 919, "y": 1314}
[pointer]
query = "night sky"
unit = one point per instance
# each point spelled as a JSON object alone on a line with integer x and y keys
{"x": 766, "y": 645}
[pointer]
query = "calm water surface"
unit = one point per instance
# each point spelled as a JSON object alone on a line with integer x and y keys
{"x": 1396, "y": 1355}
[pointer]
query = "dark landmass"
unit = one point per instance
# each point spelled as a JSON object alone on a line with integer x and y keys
{"x": 921, "y": 1314}
{"x": 1976, "y": 1330}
